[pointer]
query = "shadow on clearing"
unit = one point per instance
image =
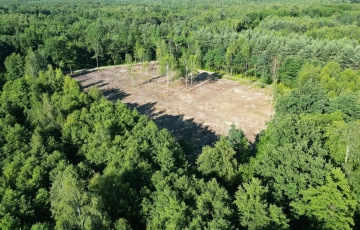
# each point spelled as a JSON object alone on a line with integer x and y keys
{"x": 195, "y": 135}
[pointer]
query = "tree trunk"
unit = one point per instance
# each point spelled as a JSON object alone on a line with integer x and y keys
{"x": 147, "y": 73}
{"x": 97, "y": 61}
{"x": 186, "y": 76}
{"x": 167, "y": 79}
{"x": 191, "y": 77}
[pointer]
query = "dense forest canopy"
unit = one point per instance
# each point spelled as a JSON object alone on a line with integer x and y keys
{"x": 73, "y": 160}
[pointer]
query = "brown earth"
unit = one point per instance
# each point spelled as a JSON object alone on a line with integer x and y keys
{"x": 198, "y": 114}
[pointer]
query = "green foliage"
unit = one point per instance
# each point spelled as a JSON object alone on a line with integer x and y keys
{"x": 331, "y": 205}
{"x": 219, "y": 162}
{"x": 239, "y": 143}
{"x": 188, "y": 202}
{"x": 295, "y": 145}
{"x": 121, "y": 224}
{"x": 56, "y": 48}
{"x": 213, "y": 209}
{"x": 87, "y": 131}
{"x": 75, "y": 160}
{"x": 95, "y": 40}
{"x": 309, "y": 73}
{"x": 72, "y": 206}
{"x": 306, "y": 99}
{"x": 349, "y": 105}
{"x": 344, "y": 149}
{"x": 289, "y": 70}
{"x": 42, "y": 226}
{"x": 215, "y": 59}
{"x": 14, "y": 65}
{"x": 35, "y": 62}
{"x": 168, "y": 212}
{"x": 254, "y": 212}
{"x": 333, "y": 80}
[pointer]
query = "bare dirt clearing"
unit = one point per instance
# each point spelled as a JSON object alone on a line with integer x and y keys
{"x": 198, "y": 114}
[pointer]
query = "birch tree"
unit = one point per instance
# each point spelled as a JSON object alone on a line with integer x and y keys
{"x": 167, "y": 63}
{"x": 130, "y": 68}
{"x": 72, "y": 206}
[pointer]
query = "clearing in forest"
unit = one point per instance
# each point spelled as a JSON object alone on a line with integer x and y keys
{"x": 198, "y": 114}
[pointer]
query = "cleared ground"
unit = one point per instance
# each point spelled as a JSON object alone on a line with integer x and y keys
{"x": 198, "y": 114}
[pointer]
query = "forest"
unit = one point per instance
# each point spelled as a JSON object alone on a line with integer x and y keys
{"x": 74, "y": 160}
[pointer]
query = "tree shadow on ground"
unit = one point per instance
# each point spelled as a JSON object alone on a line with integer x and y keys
{"x": 192, "y": 135}
{"x": 98, "y": 84}
{"x": 203, "y": 78}
{"x": 196, "y": 135}
{"x": 114, "y": 94}
{"x": 150, "y": 80}
{"x": 82, "y": 80}
{"x": 76, "y": 76}
{"x": 82, "y": 72}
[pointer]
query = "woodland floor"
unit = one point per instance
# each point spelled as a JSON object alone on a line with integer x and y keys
{"x": 198, "y": 114}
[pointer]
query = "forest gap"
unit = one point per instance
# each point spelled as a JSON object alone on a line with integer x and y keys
{"x": 198, "y": 114}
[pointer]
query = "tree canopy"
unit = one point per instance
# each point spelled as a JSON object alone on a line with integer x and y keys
{"x": 74, "y": 160}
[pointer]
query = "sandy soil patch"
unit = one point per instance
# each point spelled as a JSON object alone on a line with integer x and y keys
{"x": 198, "y": 114}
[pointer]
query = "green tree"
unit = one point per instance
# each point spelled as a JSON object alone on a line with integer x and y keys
{"x": 348, "y": 104}
{"x": 246, "y": 53}
{"x": 118, "y": 196}
{"x": 215, "y": 59}
{"x": 331, "y": 205}
{"x": 56, "y": 48}
{"x": 229, "y": 57}
{"x": 295, "y": 145}
{"x": 309, "y": 73}
{"x": 184, "y": 60}
{"x": 309, "y": 98}
{"x": 122, "y": 224}
{"x": 140, "y": 54}
{"x": 42, "y": 226}
{"x": 166, "y": 61}
{"x": 130, "y": 67}
{"x": 239, "y": 143}
{"x": 194, "y": 63}
{"x": 289, "y": 70}
{"x": 35, "y": 61}
{"x": 213, "y": 208}
{"x": 71, "y": 56}
{"x": 262, "y": 65}
{"x": 72, "y": 206}
{"x": 14, "y": 65}
{"x": 344, "y": 150}
{"x": 114, "y": 47}
{"x": 168, "y": 211}
{"x": 95, "y": 39}
{"x": 219, "y": 162}
{"x": 254, "y": 212}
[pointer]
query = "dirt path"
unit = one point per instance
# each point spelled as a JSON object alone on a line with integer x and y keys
{"x": 199, "y": 114}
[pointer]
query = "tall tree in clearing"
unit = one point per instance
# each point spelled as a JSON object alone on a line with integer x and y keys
{"x": 95, "y": 39}
{"x": 166, "y": 61}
